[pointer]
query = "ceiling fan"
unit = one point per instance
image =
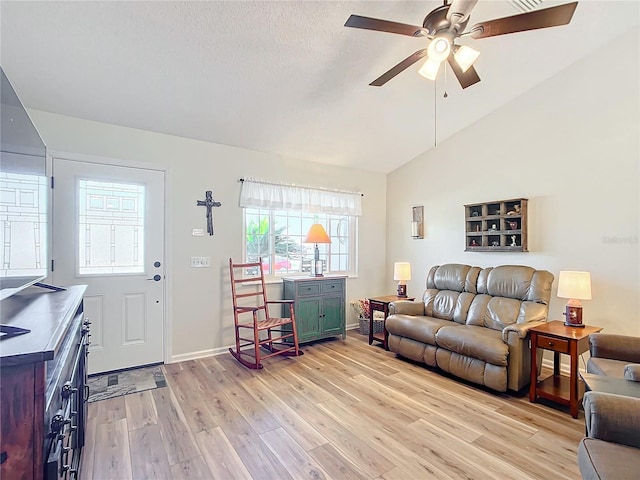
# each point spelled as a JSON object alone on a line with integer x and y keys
{"x": 445, "y": 24}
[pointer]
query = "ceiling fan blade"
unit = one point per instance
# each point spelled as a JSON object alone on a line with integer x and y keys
{"x": 466, "y": 79}
{"x": 460, "y": 9}
{"x": 367, "y": 23}
{"x": 399, "y": 68}
{"x": 547, "y": 17}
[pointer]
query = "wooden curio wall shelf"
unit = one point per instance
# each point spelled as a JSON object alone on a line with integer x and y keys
{"x": 499, "y": 226}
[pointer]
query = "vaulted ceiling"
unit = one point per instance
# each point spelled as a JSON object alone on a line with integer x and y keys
{"x": 284, "y": 77}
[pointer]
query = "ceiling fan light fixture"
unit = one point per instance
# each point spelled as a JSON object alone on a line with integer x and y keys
{"x": 439, "y": 49}
{"x": 465, "y": 57}
{"x": 430, "y": 69}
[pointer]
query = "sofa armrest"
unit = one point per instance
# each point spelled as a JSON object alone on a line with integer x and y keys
{"x": 520, "y": 329}
{"x": 632, "y": 372}
{"x": 612, "y": 418}
{"x": 406, "y": 307}
{"x": 615, "y": 347}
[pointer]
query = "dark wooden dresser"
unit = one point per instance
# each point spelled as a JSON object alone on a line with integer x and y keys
{"x": 43, "y": 384}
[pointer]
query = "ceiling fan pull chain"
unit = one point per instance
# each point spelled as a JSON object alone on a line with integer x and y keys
{"x": 445, "y": 81}
{"x": 435, "y": 113}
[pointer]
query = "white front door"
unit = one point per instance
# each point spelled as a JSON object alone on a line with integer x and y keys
{"x": 108, "y": 231}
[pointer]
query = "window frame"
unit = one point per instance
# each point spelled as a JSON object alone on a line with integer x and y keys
{"x": 351, "y": 252}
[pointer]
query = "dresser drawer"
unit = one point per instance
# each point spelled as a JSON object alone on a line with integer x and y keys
{"x": 308, "y": 288}
{"x": 332, "y": 287}
{"x": 552, "y": 343}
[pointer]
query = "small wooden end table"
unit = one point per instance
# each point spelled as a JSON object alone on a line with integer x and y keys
{"x": 381, "y": 304}
{"x": 559, "y": 338}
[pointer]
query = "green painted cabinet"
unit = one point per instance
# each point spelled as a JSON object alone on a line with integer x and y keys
{"x": 319, "y": 306}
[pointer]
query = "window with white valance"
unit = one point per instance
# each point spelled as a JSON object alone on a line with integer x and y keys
{"x": 262, "y": 194}
{"x": 278, "y": 216}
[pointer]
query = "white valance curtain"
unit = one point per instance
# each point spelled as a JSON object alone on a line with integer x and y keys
{"x": 264, "y": 194}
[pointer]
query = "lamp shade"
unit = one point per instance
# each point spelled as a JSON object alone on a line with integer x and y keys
{"x": 465, "y": 57}
{"x": 430, "y": 69}
{"x": 574, "y": 285}
{"x": 317, "y": 234}
{"x": 402, "y": 271}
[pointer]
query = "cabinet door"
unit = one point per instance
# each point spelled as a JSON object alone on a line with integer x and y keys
{"x": 332, "y": 315}
{"x": 308, "y": 318}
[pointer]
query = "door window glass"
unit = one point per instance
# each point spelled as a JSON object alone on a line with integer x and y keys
{"x": 111, "y": 228}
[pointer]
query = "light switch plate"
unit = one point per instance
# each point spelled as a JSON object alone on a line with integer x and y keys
{"x": 200, "y": 262}
{"x": 197, "y": 232}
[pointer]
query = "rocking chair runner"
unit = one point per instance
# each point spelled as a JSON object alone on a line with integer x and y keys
{"x": 260, "y": 324}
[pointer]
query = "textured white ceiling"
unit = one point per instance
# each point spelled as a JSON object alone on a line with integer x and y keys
{"x": 279, "y": 76}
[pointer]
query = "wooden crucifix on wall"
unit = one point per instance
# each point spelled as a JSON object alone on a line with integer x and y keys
{"x": 209, "y": 202}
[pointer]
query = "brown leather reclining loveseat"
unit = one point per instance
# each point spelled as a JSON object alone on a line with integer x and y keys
{"x": 473, "y": 322}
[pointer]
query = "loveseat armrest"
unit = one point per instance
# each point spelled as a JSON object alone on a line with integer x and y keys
{"x": 520, "y": 329}
{"x": 406, "y": 307}
{"x": 612, "y": 418}
{"x": 615, "y": 347}
{"x": 632, "y": 372}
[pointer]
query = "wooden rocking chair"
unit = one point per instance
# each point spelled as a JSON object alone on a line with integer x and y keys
{"x": 260, "y": 324}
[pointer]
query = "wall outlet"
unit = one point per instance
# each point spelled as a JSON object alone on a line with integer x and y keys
{"x": 197, "y": 232}
{"x": 200, "y": 262}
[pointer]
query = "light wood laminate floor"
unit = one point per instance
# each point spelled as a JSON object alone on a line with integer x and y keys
{"x": 343, "y": 410}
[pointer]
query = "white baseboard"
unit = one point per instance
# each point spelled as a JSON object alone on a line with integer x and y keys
{"x": 183, "y": 357}
{"x": 564, "y": 368}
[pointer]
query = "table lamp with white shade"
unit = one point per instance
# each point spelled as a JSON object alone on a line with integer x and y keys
{"x": 317, "y": 234}
{"x": 575, "y": 286}
{"x": 402, "y": 273}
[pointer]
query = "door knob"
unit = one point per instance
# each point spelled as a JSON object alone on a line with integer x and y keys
{"x": 155, "y": 278}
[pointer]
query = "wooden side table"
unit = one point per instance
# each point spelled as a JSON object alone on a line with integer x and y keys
{"x": 381, "y": 304}
{"x": 558, "y": 338}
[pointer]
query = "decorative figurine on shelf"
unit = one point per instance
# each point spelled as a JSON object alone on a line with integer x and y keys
{"x": 515, "y": 211}
{"x": 493, "y": 227}
{"x": 473, "y": 243}
{"x": 475, "y": 213}
{"x": 495, "y": 244}
{"x": 513, "y": 241}
{"x": 513, "y": 225}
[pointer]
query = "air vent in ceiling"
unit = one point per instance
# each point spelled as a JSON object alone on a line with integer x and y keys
{"x": 525, "y": 5}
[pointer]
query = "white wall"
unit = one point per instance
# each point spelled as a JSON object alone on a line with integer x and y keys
{"x": 571, "y": 146}
{"x": 199, "y": 299}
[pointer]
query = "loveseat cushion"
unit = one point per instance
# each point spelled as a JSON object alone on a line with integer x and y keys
{"x": 453, "y": 276}
{"x": 599, "y": 460}
{"x": 615, "y": 347}
{"x": 447, "y": 304}
{"x": 472, "y": 341}
{"x": 606, "y": 366}
{"x": 422, "y": 329}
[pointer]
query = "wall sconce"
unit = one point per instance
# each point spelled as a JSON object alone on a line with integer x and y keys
{"x": 417, "y": 224}
{"x": 575, "y": 286}
{"x": 402, "y": 273}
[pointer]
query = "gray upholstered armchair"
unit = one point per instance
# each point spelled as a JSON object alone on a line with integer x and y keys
{"x": 614, "y": 356}
{"x": 611, "y": 449}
